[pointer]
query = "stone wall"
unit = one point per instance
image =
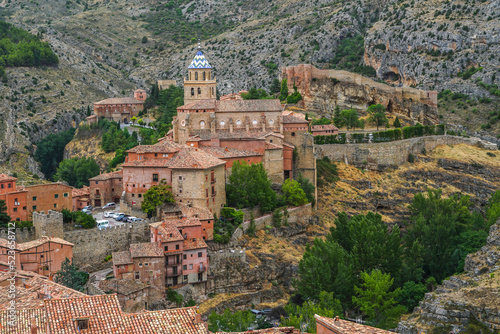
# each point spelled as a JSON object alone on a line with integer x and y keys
{"x": 391, "y": 153}
{"x": 50, "y": 224}
{"x": 322, "y": 90}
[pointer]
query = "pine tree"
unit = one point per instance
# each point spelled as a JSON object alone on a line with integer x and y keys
{"x": 337, "y": 118}
{"x": 397, "y": 123}
{"x": 284, "y": 90}
{"x": 69, "y": 276}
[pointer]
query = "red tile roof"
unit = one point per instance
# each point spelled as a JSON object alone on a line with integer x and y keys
{"x": 163, "y": 146}
{"x": 122, "y": 286}
{"x": 226, "y": 152}
{"x": 199, "y": 105}
{"x": 169, "y": 233}
{"x": 5, "y": 178}
{"x": 323, "y": 127}
{"x": 23, "y": 321}
{"x": 107, "y": 176}
{"x": 85, "y": 191}
{"x": 119, "y": 100}
{"x": 194, "y": 243}
{"x": 339, "y": 326}
{"x": 146, "y": 249}
{"x": 30, "y": 244}
{"x": 249, "y": 106}
{"x": 160, "y": 162}
{"x": 121, "y": 258}
{"x": 194, "y": 158}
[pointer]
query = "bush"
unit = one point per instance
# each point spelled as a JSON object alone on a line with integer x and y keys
{"x": 175, "y": 297}
{"x": 277, "y": 216}
{"x": 411, "y": 158}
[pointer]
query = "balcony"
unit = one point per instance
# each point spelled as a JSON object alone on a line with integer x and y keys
{"x": 202, "y": 268}
{"x": 172, "y": 252}
{"x": 172, "y": 273}
{"x": 173, "y": 263}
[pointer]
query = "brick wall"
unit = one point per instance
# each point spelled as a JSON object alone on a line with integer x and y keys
{"x": 391, "y": 153}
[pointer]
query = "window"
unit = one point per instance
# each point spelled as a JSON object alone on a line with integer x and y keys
{"x": 34, "y": 207}
{"x": 206, "y": 192}
{"x": 200, "y": 277}
{"x": 199, "y": 90}
{"x": 202, "y": 124}
{"x": 156, "y": 154}
{"x": 140, "y": 265}
{"x": 254, "y": 122}
{"x": 133, "y": 195}
{"x": 177, "y": 247}
{"x": 15, "y": 209}
{"x": 200, "y": 254}
{"x": 24, "y": 208}
{"x": 271, "y": 122}
{"x": 2, "y": 186}
{"x": 165, "y": 155}
{"x": 65, "y": 194}
{"x": 146, "y": 264}
{"x": 190, "y": 266}
{"x": 185, "y": 277}
{"x": 204, "y": 76}
{"x": 9, "y": 185}
{"x": 56, "y": 196}
{"x": 195, "y": 75}
{"x": 155, "y": 177}
{"x": 137, "y": 276}
{"x": 184, "y": 267}
{"x": 82, "y": 324}
{"x": 96, "y": 182}
{"x": 222, "y": 123}
{"x": 140, "y": 195}
{"x": 184, "y": 256}
{"x": 180, "y": 177}
{"x": 293, "y": 134}
{"x": 192, "y": 91}
{"x": 238, "y": 123}
{"x": 34, "y": 198}
{"x": 166, "y": 248}
{"x": 55, "y": 205}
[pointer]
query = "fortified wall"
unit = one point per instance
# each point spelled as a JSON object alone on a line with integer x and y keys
{"x": 323, "y": 90}
{"x": 393, "y": 153}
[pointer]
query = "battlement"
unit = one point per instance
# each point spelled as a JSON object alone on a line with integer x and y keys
{"x": 50, "y": 224}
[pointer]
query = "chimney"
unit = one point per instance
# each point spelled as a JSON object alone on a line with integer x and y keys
{"x": 34, "y": 327}
{"x": 197, "y": 317}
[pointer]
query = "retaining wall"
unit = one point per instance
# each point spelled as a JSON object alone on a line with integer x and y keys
{"x": 392, "y": 153}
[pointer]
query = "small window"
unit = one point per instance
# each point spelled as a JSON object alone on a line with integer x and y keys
{"x": 190, "y": 266}
{"x": 200, "y": 254}
{"x": 192, "y": 91}
{"x": 15, "y": 209}
{"x": 155, "y": 177}
{"x": 56, "y": 196}
{"x": 9, "y": 185}
{"x": 34, "y": 198}
{"x": 184, "y": 267}
{"x": 139, "y": 195}
{"x": 180, "y": 177}
{"x": 137, "y": 276}
{"x": 34, "y": 207}
{"x": 199, "y": 90}
{"x": 293, "y": 134}
{"x": 185, "y": 277}
{"x": 146, "y": 264}
{"x": 156, "y": 154}
{"x": 184, "y": 256}
{"x": 82, "y": 324}
{"x": 195, "y": 75}
{"x": 96, "y": 182}
{"x": 133, "y": 195}
{"x": 66, "y": 195}
{"x": 176, "y": 246}
{"x": 140, "y": 265}
{"x": 24, "y": 208}
{"x": 166, "y": 248}
{"x": 55, "y": 205}
{"x": 2, "y": 185}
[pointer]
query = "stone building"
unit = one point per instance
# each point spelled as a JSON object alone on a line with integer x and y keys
{"x": 324, "y": 130}
{"x": 336, "y": 325}
{"x": 132, "y": 295}
{"x": 43, "y": 256}
{"x": 106, "y": 188}
{"x": 119, "y": 109}
{"x": 199, "y": 84}
{"x": 80, "y": 198}
{"x": 21, "y": 201}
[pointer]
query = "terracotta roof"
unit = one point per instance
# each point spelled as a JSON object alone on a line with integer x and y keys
{"x": 140, "y": 90}
{"x": 5, "y": 178}
{"x": 248, "y": 105}
{"x": 184, "y": 222}
{"x": 323, "y": 127}
{"x": 199, "y": 105}
{"x": 239, "y": 134}
{"x": 162, "y": 162}
{"x": 120, "y": 258}
{"x": 347, "y": 327}
{"x": 122, "y": 286}
{"x": 194, "y": 158}
{"x": 119, "y": 100}
{"x": 146, "y": 249}
{"x": 105, "y": 317}
{"x": 169, "y": 233}
{"x": 226, "y": 152}
{"x": 107, "y": 176}
{"x": 194, "y": 243}
{"x": 32, "y": 289}
{"x": 85, "y": 191}
{"x": 163, "y": 146}
{"x": 277, "y": 330}
{"x": 294, "y": 118}
{"x": 271, "y": 146}
{"x": 30, "y": 244}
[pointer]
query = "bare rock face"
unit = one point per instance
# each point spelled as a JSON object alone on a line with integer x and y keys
{"x": 322, "y": 90}
{"x": 472, "y": 294}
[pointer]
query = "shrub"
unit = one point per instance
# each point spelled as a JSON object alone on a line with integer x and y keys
{"x": 411, "y": 158}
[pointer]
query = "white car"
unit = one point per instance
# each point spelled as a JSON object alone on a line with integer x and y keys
{"x": 110, "y": 205}
{"x": 115, "y": 215}
{"x": 109, "y": 214}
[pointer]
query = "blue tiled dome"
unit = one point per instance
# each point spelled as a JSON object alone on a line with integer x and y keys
{"x": 199, "y": 61}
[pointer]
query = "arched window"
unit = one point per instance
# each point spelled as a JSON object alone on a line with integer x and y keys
{"x": 192, "y": 91}
{"x": 238, "y": 123}
{"x": 204, "y": 76}
{"x": 195, "y": 75}
{"x": 254, "y": 122}
{"x": 202, "y": 124}
{"x": 199, "y": 90}
{"x": 222, "y": 123}
{"x": 190, "y": 76}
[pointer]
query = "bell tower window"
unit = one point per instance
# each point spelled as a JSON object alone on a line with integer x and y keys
{"x": 199, "y": 90}
{"x": 204, "y": 76}
{"x": 195, "y": 75}
{"x": 192, "y": 91}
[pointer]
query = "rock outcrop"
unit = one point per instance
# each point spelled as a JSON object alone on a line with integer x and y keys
{"x": 322, "y": 90}
{"x": 474, "y": 294}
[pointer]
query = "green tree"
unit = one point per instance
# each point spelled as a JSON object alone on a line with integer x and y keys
{"x": 293, "y": 193}
{"x": 284, "y": 90}
{"x": 77, "y": 171}
{"x": 307, "y": 186}
{"x": 377, "y": 115}
{"x": 238, "y": 321}
{"x": 376, "y": 300}
{"x": 337, "y": 117}
{"x": 327, "y": 306}
{"x": 295, "y": 96}
{"x": 4, "y": 217}
{"x": 50, "y": 151}
{"x": 275, "y": 86}
{"x": 350, "y": 118}
{"x": 156, "y": 196}
{"x": 84, "y": 220}
{"x": 411, "y": 294}
{"x": 70, "y": 277}
{"x": 397, "y": 123}
{"x": 256, "y": 94}
{"x": 133, "y": 119}
{"x": 249, "y": 186}
{"x": 493, "y": 208}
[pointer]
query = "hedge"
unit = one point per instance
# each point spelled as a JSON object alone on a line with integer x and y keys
{"x": 384, "y": 136}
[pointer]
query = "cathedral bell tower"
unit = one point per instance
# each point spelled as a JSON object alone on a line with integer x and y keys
{"x": 199, "y": 85}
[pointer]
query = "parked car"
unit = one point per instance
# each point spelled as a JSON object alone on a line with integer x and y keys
{"x": 125, "y": 218}
{"x": 131, "y": 219}
{"x": 102, "y": 224}
{"x": 110, "y": 205}
{"x": 108, "y": 214}
{"x": 116, "y": 215}
{"x": 135, "y": 220}
{"x": 87, "y": 211}
{"x": 88, "y": 207}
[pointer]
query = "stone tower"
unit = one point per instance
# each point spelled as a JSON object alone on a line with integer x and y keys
{"x": 50, "y": 224}
{"x": 199, "y": 84}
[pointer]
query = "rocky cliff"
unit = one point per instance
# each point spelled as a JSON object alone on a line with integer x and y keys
{"x": 323, "y": 90}
{"x": 471, "y": 296}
